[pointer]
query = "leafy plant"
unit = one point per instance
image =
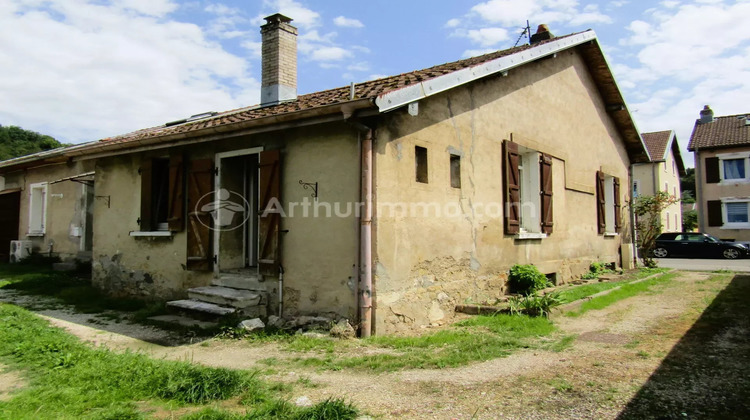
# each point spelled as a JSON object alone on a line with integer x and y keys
{"x": 596, "y": 269}
{"x": 647, "y": 209}
{"x": 534, "y": 305}
{"x": 527, "y": 279}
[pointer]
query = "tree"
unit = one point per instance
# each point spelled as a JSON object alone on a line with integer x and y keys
{"x": 687, "y": 182}
{"x": 647, "y": 209}
{"x": 689, "y": 220}
{"x": 15, "y": 142}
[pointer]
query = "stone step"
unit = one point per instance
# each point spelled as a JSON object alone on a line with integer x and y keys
{"x": 183, "y": 321}
{"x": 227, "y": 296}
{"x": 204, "y": 307}
{"x": 240, "y": 281}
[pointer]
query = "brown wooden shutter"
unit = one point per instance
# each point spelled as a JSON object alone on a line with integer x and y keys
{"x": 269, "y": 220}
{"x": 714, "y": 213}
{"x": 601, "y": 203}
{"x": 511, "y": 183}
{"x": 712, "y": 170}
{"x": 147, "y": 218}
{"x": 200, "y": 192}
{"x": 618, "y": 222}
{"x": 545, "y": 190}
{"x": 176, "y": 194}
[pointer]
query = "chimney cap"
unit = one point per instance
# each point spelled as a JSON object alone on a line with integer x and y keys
{"x": 707, "y": 115}
{"x": 542, "y": 34}
{"x": 278, "y": 18}
{"x": 542, "y": 28}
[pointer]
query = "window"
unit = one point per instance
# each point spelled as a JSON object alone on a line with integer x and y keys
{"x": 636, "y": 188}
{"x": 667, "y": 220}
{"x": 675, "y": 191}
{"x": 729, "y": 167}
{"x": 527, "y": 179}
{"x": 729, "y": 213}
{"x": 162, "y": 194}
{"x": 608, "y": 203}
{"x": 37, "y": 209}
{"x": 420, "y": 161}
{"x": 455, "y": 171}
{"x": 666, "y": 187}
{"x": 734, "y": 168}
{"x": 676, "y": 223}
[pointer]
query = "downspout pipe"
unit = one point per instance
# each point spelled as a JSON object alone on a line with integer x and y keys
{"x": 633, "y": 227}
{"x": 364, "y": 290}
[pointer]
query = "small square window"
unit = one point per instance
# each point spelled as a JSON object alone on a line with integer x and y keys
{"x": 734, "y": 168}
{"x": 420, "y": 161}
{"x": 455, "y": 171}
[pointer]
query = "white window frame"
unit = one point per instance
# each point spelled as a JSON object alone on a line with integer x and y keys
{"x": 730, "y": 156}
{"x": 529, "y": 183}
{"x": 609, "y": 205}
{"x": 38, "y": 228}
{"x": 724, "y": 218}
{"x": 636, "y": 188}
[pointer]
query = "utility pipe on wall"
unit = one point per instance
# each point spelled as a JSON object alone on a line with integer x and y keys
{"x": 364, "y": 289}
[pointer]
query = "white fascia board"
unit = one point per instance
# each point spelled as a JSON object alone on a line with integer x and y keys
{"x": 404, "y": 96}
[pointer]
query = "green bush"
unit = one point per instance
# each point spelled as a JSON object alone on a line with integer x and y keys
{"x": 527, "y": 279}
{"x": 596, "y": 269}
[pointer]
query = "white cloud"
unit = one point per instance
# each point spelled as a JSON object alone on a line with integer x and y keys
{"x": 68, "y": 65}
{"x": 474, "y": 53}
{"x": 377, "y": 76}
{"x": 361, "y": 66}
{"x": 303, "y": 17}
{"x": 486, "y": 37}
{"x": 330, "y": 54}
{"x": 452, "y": 23}
{"x": 345, "y": 22}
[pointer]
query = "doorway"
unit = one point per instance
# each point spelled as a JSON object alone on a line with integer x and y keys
{"x": 236, "y": 216}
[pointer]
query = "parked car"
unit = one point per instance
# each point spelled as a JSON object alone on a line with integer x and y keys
{"x": 700, "y": 245}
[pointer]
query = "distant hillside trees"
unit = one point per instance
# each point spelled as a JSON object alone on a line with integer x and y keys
{"x": 15, "y": 141}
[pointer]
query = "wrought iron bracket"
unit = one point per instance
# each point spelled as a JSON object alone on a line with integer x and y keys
{"x": 310, "y": 186}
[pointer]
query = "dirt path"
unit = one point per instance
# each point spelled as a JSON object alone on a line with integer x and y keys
{"x": 616, "y": 351}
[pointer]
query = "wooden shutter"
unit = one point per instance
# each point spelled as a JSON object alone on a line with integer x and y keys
{"x": 714, "y": 213}
{"x": 712, "y": 170}
{"x": 618, "y": 222}
{"x": 147, "y": 194}
{"x": 176, "y": 194}
{"x": 269, "y": 220}
{"x": 511, "y": 184}
{"x": 200, "y": 192}
{"x": 545, "y": 190}
{"x": 601, "y": 203}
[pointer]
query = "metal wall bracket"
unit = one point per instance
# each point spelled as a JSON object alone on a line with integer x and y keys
{"x": 104, "y": 197}
{"x": 310, "y": 186}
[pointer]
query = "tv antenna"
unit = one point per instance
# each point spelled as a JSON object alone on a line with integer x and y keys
{"x": 526, "y": 32}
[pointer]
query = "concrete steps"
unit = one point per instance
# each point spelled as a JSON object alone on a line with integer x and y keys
{"x": 183, "y": 321}
{"x": 242, "y": 293}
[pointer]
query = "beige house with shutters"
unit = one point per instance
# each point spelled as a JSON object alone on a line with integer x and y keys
{"x": 721, "y": 148}
{"x": 662, "y": 173}
{"x": 386, "y": 202}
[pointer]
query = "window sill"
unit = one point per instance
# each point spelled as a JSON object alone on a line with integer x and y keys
{"x": 35, "y": 234}
{"x": 611, "y": 234}
{"x": 530, "y": 235}
{"x": 734, "y": 181}
{"x": 157, "y": 234}
{"x": 737, "y": 226}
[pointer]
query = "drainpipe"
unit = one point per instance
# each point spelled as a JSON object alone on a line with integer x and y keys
{"x": 699, "y": 189}
{"x": 281, "y": 288}
{"x": 633, "y": 227}
{"x": 365, "y": 234}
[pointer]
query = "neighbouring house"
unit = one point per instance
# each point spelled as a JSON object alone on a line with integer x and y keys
{"x": 721, "y": 147}
{"x": 662, "y": 173}
{"x": 46, "y": 201}
{"x": 386, "y": 202}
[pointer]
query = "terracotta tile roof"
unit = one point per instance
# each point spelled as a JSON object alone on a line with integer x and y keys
{"x": 726, "y": 131}
{"x": 367, "y": 90}
{"x": 656, "y": 143}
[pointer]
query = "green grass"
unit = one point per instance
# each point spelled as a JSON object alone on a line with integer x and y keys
{"x": 69, "y": 380}
{"x": 475, "y": 339}
{"x": 579, "y": 292}
{"x": 624, "y": 292}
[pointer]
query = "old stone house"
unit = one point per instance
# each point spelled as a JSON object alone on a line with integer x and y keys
{"x": 721, "y": 148}
{"x": 386, "y": 202}
{"x": 662, "y": 173}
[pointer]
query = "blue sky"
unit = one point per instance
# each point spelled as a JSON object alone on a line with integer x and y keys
{"x": 82, "y": 70}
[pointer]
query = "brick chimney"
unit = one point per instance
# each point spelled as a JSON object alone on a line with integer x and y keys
{"x": 542, "y": 34}
{"x": 707, "y": 115}
{"x": 279, "y": 60}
